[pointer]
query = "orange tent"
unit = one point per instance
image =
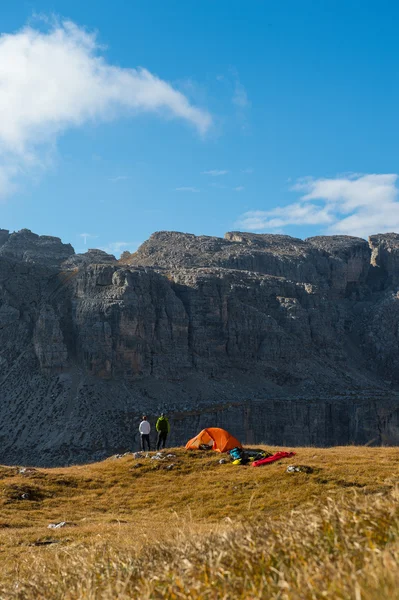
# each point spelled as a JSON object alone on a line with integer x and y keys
{"x": 220, "y": 440}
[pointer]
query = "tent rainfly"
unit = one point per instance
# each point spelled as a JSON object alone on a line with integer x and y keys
{"x": 220, "y": 440}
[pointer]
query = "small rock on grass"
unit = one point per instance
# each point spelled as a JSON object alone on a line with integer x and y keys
{"x": 299, "y": 469}
{"x": 26, "y": 470}
{"x": 60, "y": 524}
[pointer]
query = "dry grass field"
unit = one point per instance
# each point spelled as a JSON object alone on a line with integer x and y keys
{"x": 204, "y": 530}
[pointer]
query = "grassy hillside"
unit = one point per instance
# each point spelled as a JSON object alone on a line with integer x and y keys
{"x": 138, "y": 529}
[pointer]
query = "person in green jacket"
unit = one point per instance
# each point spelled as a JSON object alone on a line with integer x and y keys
{"x": 162, "y": 426}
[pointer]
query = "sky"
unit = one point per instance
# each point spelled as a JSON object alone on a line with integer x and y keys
{"x": 118, "y": 119}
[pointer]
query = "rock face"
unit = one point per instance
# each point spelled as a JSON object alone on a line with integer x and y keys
{"x": 385, "y": 257}
{"x": 29, "y": 247}
{"x": 93, "y": 256}
{"x": 277, "y": 339}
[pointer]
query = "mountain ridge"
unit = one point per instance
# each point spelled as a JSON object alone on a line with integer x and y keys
{"x": 296, "y": 340}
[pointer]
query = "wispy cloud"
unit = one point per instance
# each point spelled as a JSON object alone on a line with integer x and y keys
{"x": 239, "y": 93}
{"x": 240, "y": 100}
{"x": 56, "y": 79}
{"x": 119, "y": 178}
{"x": 87, "y": 236}
{"x": 187, "y": 189}
{"x": 215, "y": 172}
{"x": 294, "y": 214}
{"x": 248, "y": 171}
{"x": 239, "y": 188}
{"x": 352, "y": 205}
{"x": 240, "y": 96}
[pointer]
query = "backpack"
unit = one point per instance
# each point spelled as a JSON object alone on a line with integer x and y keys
{"x": 235, "y": 454}
{"x": 238, "y": 456}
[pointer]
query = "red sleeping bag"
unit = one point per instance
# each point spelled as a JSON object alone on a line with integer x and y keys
{"x": 270, "y": 459}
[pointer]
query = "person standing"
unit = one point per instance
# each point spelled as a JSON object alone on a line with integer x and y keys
{"x": 163, "y": 428}
{"x": 144, "y": 429}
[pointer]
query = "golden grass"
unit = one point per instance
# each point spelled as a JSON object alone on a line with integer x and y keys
{"x": 204, "y": 530}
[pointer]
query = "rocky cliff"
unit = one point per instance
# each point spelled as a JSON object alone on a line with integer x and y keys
{"x": 278, "y": 339}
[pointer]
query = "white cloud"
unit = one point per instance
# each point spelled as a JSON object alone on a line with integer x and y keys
{"x": 248, "y": 171}
{"x": 57, "y": 79}
{"x": 352, "y": 192}
{"x": 352, "y": 205}
{"x": 239, "y": 188}
{"x": 187, "y": 189}
{"x": 215, "y": 172}
{"x": 293, "y": 214}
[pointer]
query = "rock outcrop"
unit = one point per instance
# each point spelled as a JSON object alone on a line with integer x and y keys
{"x": 32, "y": 248}
{"x": 278, "y": 339}
{"x": 92, "y": 256}
{"x": 385, "y": 258}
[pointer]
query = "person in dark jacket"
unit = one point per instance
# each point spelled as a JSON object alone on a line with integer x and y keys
{"x": 163, "y": 428}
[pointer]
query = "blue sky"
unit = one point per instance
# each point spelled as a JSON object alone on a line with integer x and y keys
{"x": 258, "y": 115}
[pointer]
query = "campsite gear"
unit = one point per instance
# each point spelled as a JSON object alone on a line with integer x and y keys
{"x": 221, "y": 440}
{"x": 222, "y": 461}
{"x": 241, "y": 456}
{"x": 270, "y": 459}
{"x": 205, "y": 446}
{"x": 257, "y": 454}
{"x": 236, "y": 453}
{"x": 238, "y": 456}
